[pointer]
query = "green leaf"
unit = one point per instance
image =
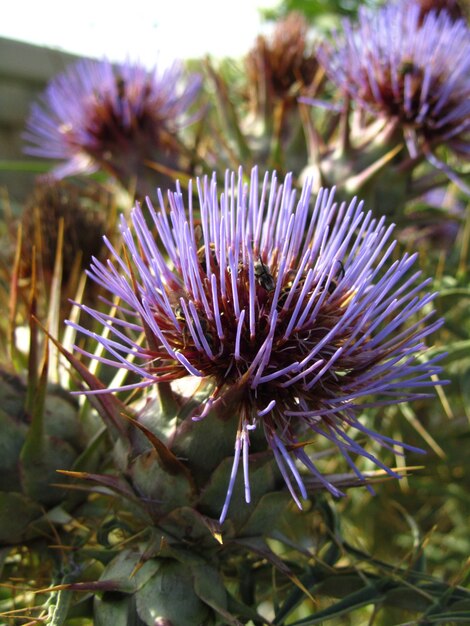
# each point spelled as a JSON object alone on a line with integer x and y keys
{"x": 170, "y": 594}
{"x": 407, "y": 598}
{"x": 451, "y": 616}
{"x": 455, "y": 351}
{"x": 267, "y": 513}
{"x": 363, "y": 597}
{"x": 126, "y": 573}
{"x": 39, "y": 469}
{"x": 16, "y": 514}
{"x": 167, "y": 460}
{"x": 209, "y": 587}
{"x": 263, "y": 476}
{"x": 159, "y": 490}
{"x": 12, "y": 437}
{"x": 297, "y": 595}
{"x": 88, "y": 459}
{"x": 112, "y": 610}
{"x": 185, "y": 522}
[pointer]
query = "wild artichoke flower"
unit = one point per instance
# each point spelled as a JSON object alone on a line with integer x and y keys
{"x": 296, "y": 314}
{"x": 410, "y": 69}
{"x": 96, "y": 114}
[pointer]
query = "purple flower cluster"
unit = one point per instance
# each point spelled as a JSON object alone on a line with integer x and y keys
{"x": 96, "y": 112}
{"x": 293, "y": 308}
{"x": 408, "y": 68}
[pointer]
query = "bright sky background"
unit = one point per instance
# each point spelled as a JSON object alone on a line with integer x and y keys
{"x": 137, "y": 29}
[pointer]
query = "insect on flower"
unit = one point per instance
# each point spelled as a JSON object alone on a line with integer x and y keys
{"x": 262, "y": 275}
{"x": 334, "y": 281}
{"x": 297, "y": 356}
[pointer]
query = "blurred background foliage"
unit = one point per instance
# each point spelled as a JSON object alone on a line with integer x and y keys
{"x": 321, "y": 13}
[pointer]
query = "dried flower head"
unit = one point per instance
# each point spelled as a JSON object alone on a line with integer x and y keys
{"x": 285, "y": 61}
{"x": 411, "y": 70}
{"x": 96, "y": 114}
{"x": 80, "y": 208}
{"x": 296, "y": 313}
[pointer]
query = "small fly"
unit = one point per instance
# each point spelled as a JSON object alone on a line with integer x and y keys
{"x": 263, "y": 276}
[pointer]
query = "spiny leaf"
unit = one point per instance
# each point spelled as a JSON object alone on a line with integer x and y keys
{"x": 168, "y": 171}
{"x": 107, "y": 405}
{"x": 34, "y": 444}
{"x": 114, "y": 483}
{"x": 168, "y": 460}
{"x": 209, "y": 588}
{"x": 94, "y": 586}
{"x": 355, "y": 183}
{"x": 259, "y": 546}
{"x": 195, "y": 524}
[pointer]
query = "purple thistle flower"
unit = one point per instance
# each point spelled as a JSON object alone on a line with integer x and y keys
{"x": 297, "y": 314}
{"x": 96, "y": 114}
{"x": 410, "y": 69}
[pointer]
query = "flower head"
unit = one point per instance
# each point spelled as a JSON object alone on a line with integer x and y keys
{"x": 409, "y": 69}
{"x": 297, "y": 314}
{"x": 96, "y": 114}
{"x": 285, "y": 62}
